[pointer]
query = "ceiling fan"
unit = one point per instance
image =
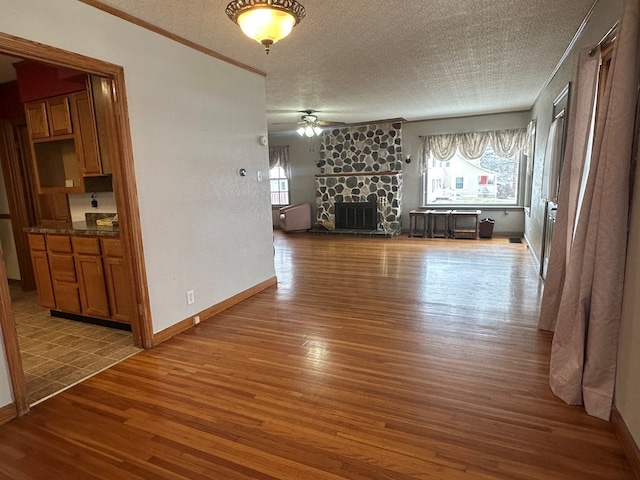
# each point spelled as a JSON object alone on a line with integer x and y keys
{"x": 309, "y": 125}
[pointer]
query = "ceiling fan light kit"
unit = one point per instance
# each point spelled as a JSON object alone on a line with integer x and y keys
{"x": 310, "y": 126}
{"x": 266, "y": 21}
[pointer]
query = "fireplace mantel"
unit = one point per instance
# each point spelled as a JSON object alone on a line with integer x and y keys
{"x": 357, "y": 174}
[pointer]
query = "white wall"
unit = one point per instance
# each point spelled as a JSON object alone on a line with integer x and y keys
{"x": 195, "y": 121}
{"x": 6, "y": 394}
{"x": 79, "y": 204}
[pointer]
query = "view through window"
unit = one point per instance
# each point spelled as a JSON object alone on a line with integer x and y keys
{"x": 279, "y": 186}
{"x": 488, "y": 180}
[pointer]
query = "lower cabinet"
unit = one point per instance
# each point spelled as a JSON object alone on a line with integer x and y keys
{"x": 73, "y": 275}
{"x": 42, "y": 273}
{"x": 116, "y": 276}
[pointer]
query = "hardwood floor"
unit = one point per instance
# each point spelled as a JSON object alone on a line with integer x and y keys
{"x": 402, "y": 358}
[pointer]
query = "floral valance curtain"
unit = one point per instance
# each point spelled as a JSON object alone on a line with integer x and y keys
{"x": 505, "y": 143}
{"x": 279, "y": 157}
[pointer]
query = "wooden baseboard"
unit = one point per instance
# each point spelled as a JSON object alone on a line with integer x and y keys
{"x": 8, "y": 413}
{"x": 629, "y": 445}
{"x": 187, "y": 323}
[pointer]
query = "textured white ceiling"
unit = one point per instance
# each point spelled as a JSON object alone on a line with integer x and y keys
{"x": 363, "y": 60}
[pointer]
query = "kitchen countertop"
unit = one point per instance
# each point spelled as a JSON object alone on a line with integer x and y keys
{"x": 76, "y": 228}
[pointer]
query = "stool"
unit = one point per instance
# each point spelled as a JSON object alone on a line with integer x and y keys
{"x": 433, "y": 217}
{"x": 467, "y": 231}
{"x": 414, "y": 215}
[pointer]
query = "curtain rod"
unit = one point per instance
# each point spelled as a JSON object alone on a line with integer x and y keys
{"x": 609, "y": 36}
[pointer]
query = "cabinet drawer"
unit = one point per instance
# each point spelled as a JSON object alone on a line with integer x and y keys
{"x": 59, "y": 243}
{"x": 63, "y": 268}
{"x": 86, "y": 245}
{"x": 36, "y": 242}
{"x": 111, "y": 247}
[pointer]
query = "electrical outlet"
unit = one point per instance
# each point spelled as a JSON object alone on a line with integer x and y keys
{"x": 259, "y": 176}
{"x": 191, "y": 298}
{"x": 196, "y": 319}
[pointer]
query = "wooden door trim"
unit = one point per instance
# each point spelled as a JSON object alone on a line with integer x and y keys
{"x": 125, "y": 191}
{"x": 11, "y": 347}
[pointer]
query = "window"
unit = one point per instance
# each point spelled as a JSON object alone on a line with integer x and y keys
{"x": 488, "y": 180}
{"x": 279, "y": 186}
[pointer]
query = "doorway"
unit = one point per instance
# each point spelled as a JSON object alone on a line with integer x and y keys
{"x": 20, "y": 316}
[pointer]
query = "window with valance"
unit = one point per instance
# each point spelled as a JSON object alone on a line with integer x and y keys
{"x": 475, "y": 168}
{"x": 279, "y": 174}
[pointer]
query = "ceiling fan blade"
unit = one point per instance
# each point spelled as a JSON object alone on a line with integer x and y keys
{"x": 287, "y": 123}
{"x": 328, "y": 123}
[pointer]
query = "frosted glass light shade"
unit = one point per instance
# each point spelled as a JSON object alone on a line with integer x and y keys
{"x": 265, "y": 24}
{"x": 266, "y": 21}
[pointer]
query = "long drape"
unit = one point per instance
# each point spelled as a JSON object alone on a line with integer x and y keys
{"x": 583, "y": 291}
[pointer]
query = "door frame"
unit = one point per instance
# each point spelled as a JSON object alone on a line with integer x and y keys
{"x": 126, "y": 196}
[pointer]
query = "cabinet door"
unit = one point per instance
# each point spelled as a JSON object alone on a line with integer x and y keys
{"x": 59, "y": 116}
{"x": 93, "y": 292}
{"x": 37, "y": 119}
{"x": 86, "y": 137}
{"x": 43, "y": 279}
{"x": 118, "y": 288}
{"x": 67, "y": 297}
{"x": 63, "y": 274}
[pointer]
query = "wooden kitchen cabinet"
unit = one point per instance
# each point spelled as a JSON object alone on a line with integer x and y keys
{"x": 91, "y": 278}
{"x": 36, "y": 113}
{"x": 116, "y": 279}
{"x": 49, "y": 118}
{"x": 65, "y": 145}
{"x": 42, "y": 273}
{"x": 86, "y": 136}
{"x": 84, "y": 275}
{"x": 63, "y": 274}
{"x": 59, "y": 116}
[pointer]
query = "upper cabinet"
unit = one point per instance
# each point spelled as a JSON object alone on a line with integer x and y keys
{"x": 49, "y": 118}
{"x": 66, "y": 144}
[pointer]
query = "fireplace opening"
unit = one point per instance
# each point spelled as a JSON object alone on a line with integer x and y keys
{"x": 357, "y": 215}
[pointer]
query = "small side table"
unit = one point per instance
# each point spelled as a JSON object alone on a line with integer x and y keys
{"x": 414, "y": 215}
{"x": 433, "y": 229}
{"x": 465, "y": 231}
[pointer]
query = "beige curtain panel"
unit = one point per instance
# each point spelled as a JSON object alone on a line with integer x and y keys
{"x": 582, "y": 300}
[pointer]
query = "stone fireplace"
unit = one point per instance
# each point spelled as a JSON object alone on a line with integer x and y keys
{"x": 361, "y": 165}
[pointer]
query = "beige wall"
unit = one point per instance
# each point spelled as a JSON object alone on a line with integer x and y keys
{"x": 627, "y": 394}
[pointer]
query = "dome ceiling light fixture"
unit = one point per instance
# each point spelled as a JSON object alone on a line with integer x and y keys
{"x": 310, "y": 126}
{"x": 266, "y": 21}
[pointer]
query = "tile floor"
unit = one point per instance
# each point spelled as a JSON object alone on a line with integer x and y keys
{"x": 56, "y": 352}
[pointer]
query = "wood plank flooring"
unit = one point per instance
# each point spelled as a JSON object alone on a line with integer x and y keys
{"x": 403, "y": 358}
